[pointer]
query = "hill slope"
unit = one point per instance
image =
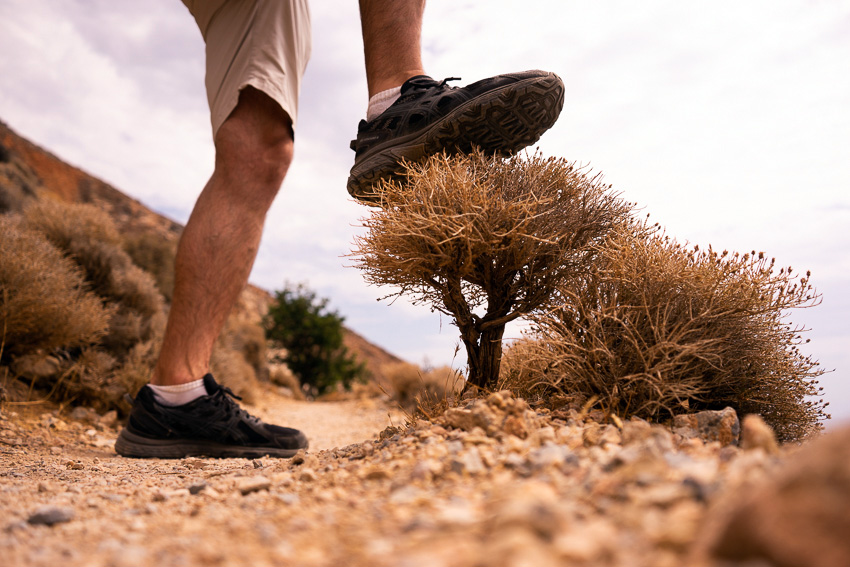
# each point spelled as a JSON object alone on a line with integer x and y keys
{"x": 27, "y": 170}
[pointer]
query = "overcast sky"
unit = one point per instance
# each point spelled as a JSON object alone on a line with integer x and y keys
{"x": 728, "y": 121}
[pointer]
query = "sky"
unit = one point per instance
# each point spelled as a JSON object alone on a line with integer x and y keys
{"x": 727, "y": 121}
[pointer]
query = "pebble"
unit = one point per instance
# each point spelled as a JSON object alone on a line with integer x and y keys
{"x": 492, "y": 483}
{"x": 50, "y": 515}
{"x": 253, "y": 484}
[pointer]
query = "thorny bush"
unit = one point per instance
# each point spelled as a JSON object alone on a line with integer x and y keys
{"x": 656, "y": 328}
{"x": 486, "y": 240}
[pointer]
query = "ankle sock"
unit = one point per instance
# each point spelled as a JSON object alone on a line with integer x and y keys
{"x": 382, "y": 101}
{"x": 179, "y": 394}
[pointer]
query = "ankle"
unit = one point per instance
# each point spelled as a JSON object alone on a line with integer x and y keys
{"x": 392, "y": 81}
{"x": 179, "y": 394}
{"x": 381, "y": 101}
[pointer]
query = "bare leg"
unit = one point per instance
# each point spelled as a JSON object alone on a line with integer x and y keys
{"x": 254, "y": 148}
{"x": 391, "y": 41}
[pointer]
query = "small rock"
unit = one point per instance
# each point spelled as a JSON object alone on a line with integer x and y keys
{"x": 307, "y": 475}
{"x": 50, "y": 515}
{"x": 253, "y": 484}
{"x": 587, "y": 542}
{"x": 426, "y": 470}
{"x": 551, "y": 455}
{"x": 515, "y": 426}
{"x": 797, "y": 518}
{"x": 546, "y": 434}
{"x": 460, "y": 419}
{"x": 74, "y": 465}
{"x": 635, "y": 429}
{"x": 109, "y": 419}
{"x": 722, "y": 426}
{"x": 195, "y": 464}
{"x": 197, "y": 487}
{"x": 468, "y": 462}
{"x": 532, "y": 505}
{"x": 376, "y": 473}
{"x": 16, "y": 526}
{"x": 756, "y": 434}
{"x": 81, "y": 413}
{"x": 289, "y": 499}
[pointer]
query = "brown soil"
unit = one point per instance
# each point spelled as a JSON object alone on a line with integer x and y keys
{"x": 495, "y": 484}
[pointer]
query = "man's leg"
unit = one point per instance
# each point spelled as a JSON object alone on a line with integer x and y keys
{"x": 184, "y": 412}
{"x": 411, "y": 116}
{"x": 254, "y": 148}
{"x": 392, "y": 33}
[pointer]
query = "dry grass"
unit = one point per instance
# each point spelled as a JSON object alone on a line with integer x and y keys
{"x": 154, "y": 254}
{"x": 232, "y": 370}
{"x": 657, "y": 329}
{"x": 43, "y": 298}
{"x": 248, "y": 339}
{"x": 281, "y": 375}
{"x": 410, "y": 386}
{"x": 80, "y": 246}
{"x": 486, "y": 240}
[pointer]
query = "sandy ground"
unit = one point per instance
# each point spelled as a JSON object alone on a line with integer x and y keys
{"x": 492, "y": 484}
{"x": 331, "y": 424}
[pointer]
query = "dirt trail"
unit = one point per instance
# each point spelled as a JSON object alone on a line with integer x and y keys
{"x": 491, "y": 484}
{"x": 331, "y": 424}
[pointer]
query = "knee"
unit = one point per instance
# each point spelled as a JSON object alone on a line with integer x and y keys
{"x": 254, "y": 146}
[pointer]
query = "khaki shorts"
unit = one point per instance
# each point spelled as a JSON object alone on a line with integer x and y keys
{"x": 261, "y": 43}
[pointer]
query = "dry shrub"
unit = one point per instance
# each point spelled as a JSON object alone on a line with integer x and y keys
{"x": 473, "y": 233}
{"x": 232, "y": 370}
{"x": 90, "y": 237}
{"x": 281, "y": 375}
{"x": 87, "y": 377}
{"x": 657, "y": 329}
{"x": 136, "y": 369}
{"x": 43, "y": 301}
{"x": 411, "y": 386}
{"x": 66, "y": 223}
{"x": 249, "y": 339}
{"x": 155, "y": 254}
{"x": 122, "y": 295}
{"x": 239, "y": 357}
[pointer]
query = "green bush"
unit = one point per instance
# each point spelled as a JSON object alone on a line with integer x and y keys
{"x": 300, "y": 323}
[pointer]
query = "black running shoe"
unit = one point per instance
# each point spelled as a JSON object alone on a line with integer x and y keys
{"x": 212, "y": 426}
{"x": 502, "y": 114}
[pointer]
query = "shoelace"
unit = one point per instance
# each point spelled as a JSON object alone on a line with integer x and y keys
{"x": 230, "y": 411}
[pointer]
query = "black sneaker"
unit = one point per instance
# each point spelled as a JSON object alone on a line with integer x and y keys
{"x": 212, "y": 426}
{"x": 502, "y": 114}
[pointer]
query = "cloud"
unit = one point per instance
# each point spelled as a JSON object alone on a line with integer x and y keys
{"x": 727, "y": 121}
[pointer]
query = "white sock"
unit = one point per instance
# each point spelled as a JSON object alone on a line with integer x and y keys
{"x": 179, "y": 394}
{"x": 382, "y": 101}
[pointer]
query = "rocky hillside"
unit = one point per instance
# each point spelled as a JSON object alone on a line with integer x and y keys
{"x": 27, "y": 170}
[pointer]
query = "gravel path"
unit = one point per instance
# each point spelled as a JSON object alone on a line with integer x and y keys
{"x": 491, "y": 484}
{"x": 331, "y": 424}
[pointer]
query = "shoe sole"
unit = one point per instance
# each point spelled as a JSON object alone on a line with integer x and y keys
{"x": 501, "y": 121}
{"x": 136, "y": 446}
